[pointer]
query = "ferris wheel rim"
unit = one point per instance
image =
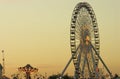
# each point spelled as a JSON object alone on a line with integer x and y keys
{"x": 73, "y": 26}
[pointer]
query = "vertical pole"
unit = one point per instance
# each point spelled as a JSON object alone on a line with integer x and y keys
{"x": 3, "y": 72}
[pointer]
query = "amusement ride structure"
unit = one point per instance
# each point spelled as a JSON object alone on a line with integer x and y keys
{"x": 28, "y": 69}
{"x": 27, "y": 72}
{"x": 85, "y": 43}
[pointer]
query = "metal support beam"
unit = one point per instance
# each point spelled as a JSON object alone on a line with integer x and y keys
{"x": 101, "y": 60}
{"x": 69, "y": 62}
{"x": 66, "y": 66}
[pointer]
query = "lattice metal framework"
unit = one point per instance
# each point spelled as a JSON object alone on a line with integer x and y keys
{"x": 84, "y": 28}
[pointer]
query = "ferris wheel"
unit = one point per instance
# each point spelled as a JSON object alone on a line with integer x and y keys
{"x": 84, "y": 29}
{"x": 85, "y": 43}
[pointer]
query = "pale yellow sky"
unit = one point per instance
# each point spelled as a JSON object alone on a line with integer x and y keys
{"x": 37, "y": 32}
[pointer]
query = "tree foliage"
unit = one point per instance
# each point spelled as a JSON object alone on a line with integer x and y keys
{"x": 56, "y": 76}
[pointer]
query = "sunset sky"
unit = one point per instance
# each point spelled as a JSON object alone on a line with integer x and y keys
{"x": 36, "y": 32}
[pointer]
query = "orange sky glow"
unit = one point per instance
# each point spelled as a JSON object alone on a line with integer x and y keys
{"x": 36, "y": 32}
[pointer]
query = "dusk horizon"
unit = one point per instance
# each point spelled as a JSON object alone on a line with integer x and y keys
{"x": 37, "y": 32}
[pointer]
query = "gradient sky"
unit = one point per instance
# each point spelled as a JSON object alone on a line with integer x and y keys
{"x": 36, "y": 32}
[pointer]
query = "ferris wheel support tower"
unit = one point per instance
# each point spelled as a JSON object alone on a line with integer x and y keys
{"x": 85, "y": 43}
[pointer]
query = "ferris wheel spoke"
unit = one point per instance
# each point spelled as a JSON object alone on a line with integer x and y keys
{"x": 78, "y": 27}
{"x": 78, "y": 23}
{"x": 78, "y": 50}
{"x": 77, "y": 33}
{"x": 77, "y": 38}
{"x": 77, "y": 46}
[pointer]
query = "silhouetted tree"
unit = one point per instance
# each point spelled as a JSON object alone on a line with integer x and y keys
{"x": 58, "y": 75}
{"x": 14, "y": 77}
{"x": 116, "y": 76}
{"x": 54, "y": 76}
{"x": 67, "y": 77}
